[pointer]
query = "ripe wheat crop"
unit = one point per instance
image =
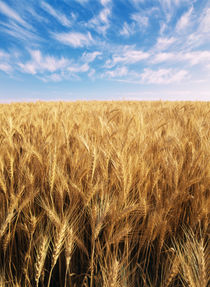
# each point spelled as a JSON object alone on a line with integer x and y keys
{"x": 105, "y": 194}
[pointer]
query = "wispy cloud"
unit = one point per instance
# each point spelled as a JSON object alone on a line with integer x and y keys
{"x": 129, "y": 56}
{"x": 101, "y": 22}
{"x": 163, "y": 76}
{"x": 139, "y": 23}
{"x": 16, "y": 26}
{"x": 163, "y": 57}
{"x": 50, "y": 68}
{"x": 91, "y": 74}
{"x": 5, "y": 65}
{"x": 71, "y": 72}
{"x": 164, "y": 43}
{"x": 118, "y": 72}
{"x": 169, "y": 7}
{"x": 18, "y": 32}
{"x": 105, "y": 2}
{"x": 6, "y": 68}
{"x": 192, "y": 58}
{"x": 4, "y": 55}
{"x": 204, "y": 26}
{"x": 78, "y": 68}
{"x": 127, "y": 29}
{"x": 137, "y": 2}
{"x": 198, "y": 57}
{"x": 40, "y": 64}
{"x": 60, "y": 17}
{"x": 35, "y": 15}
{"x": 52, "y": 78}
{"x": 141, "y": 20}
{"x": 184, "y": 21}
{"x": 90, "y": 57}
{"x": 201, "y": 34}
{"x": 74, "y": 39}
{"x": 10, "y": 13}
{"x": 149, "y": 76}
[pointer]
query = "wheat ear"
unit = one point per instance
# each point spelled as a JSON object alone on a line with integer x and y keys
{"x": 40, "y": 260}
{"x": 173, "y": 272}
{"x": 58, "y": 244}
{"x": 69, "y": 245}
{"x": 203, "y": 276}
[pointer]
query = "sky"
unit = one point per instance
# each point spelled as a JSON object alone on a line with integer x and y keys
{"x": 104, "y": 50}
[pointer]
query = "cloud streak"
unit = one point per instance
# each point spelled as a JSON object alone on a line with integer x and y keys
{"x": 184, "y": 21}
{"x": 74, "y": 39}
{"x": 5, "y": 66}
{"x": 163, "y": 76}
{"x": 10, "y": 13}
{"x": 127, "y": 30}
{"x": 101, "y": 22}
{"x": 193, "y": 58}
{"x": 40, "y": 64}
{"x": 90, "y": 57}
{"x": 128, "y": 56}
{"x": 57, "y": 15}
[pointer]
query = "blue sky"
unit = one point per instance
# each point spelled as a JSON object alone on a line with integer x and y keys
{"x": 104, "y": 49}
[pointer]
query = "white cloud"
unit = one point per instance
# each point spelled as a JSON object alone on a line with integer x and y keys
{"x": 101, "y": 22}
{"x": 4, "y": 55}
{"x": 51, "y": 69}
{"x": 103, "y": 15}
{"x": 193, "y": 58}
{"x": 91, "y": 74}
{"x": 201, "y": 34}
{"x": 9, "y": 12}
{"x": 128, "y": 56}
{"x": 142, "y": 21}
{"x": 164, "y": 43}
{"x": 5, "y": 67}
{"x": 118, "y": 72}
{"x": 74, "y": 39}
{"x": 57, "y": 15}
{"x": 162, "y": 57}
{"x": 169, "y": 4}
{"x": 90, "y": 57}
{"x": 205, "y": 21}
{"x": 105, "y": 2}
{"x": 5, "y": 62}
{"x": 163, "y": 27}
{"x": 52, "y": 78}
{"x": 36, "y": 15}
{"x": 184, "y": 21}
{"x": 18, "y": 31}
{"x": 40, "y": 64}
{"x": 198, "y": 57}
{"x": 48, "y": 68}
{"x": 163, "y": 76}
{"x": 136, "y": 2}
{"x": 127, "y": 30}
{"x": 169, "y": 7}
{"x": 78, "y": 68}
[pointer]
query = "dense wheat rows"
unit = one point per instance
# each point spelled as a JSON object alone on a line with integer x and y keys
{"x": 111, "y": 194}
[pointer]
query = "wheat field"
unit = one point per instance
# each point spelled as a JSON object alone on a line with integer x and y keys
{"x": 107, "y": 194}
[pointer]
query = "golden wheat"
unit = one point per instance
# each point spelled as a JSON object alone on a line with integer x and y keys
{"x": 100, "y": 193}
